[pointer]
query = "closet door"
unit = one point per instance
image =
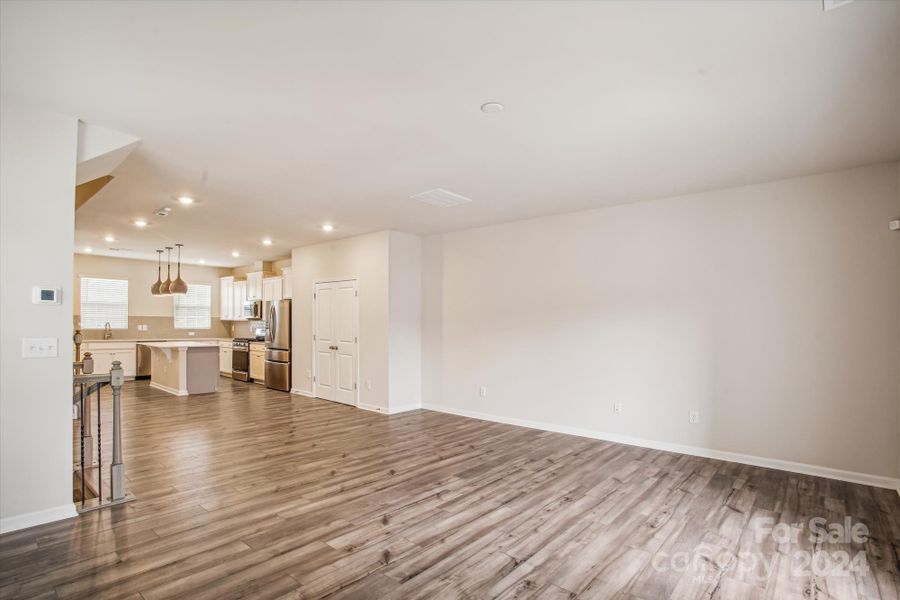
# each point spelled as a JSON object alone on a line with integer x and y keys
{"x": 336, "y": 354}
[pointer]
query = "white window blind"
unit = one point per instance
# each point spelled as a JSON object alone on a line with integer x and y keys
{"x": 104, "y": 301}
{"x": 194, "y": 309}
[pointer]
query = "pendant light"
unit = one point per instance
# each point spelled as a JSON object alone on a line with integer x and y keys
{"x": 154, "y": 289}
{"x": 164, "y": 288}
{"x": 178, "y": 286}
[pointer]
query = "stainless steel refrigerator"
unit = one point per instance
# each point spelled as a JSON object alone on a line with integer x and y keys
{"x": 278, "y": 346}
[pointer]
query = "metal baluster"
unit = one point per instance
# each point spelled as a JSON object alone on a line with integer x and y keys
{"x": 117, "y": 468}
{"x": 81, "y": 408}
{"x": 99, "y": 452}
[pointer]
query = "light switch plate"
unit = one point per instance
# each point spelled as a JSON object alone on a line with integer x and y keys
{"x": 40, "y": 347}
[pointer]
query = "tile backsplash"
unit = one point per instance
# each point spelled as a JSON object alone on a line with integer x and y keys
{"x": 159, "y": 328}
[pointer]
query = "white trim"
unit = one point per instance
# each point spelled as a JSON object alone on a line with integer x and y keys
{"x": 371, "y": 407}
{"x": 404, "y": 408}
{"x": 171, "y": 390}
{"x": 299, "y": 392}
{"x": 747, "y": 459}
{"x": 38, "y": 517}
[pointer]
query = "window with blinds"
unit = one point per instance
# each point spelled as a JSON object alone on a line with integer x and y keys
{"x": 104, "y": 301}
{"x": 194, "y": 309}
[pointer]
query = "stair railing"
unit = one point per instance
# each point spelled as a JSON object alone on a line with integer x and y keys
{"x": 88, "y": 385}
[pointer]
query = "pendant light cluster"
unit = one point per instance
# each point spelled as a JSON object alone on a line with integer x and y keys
{"x": 169, "y": 286}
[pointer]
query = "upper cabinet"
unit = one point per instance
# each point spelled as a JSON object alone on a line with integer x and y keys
{"x": 272, "y": 289}
{"x": 255, "y": 286}
{"x": 240, "y": 297}
{"x": 227, "y": 309}
{"x": 259, "y": 285}
{"x": 287, "y": 290}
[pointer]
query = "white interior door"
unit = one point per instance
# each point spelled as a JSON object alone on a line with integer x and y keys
{"x": 336, "y": 305}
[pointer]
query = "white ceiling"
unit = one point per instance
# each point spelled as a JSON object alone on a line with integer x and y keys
{"x": 281, "y": 116}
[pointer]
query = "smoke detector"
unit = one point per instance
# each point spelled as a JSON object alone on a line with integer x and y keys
{"x": 163, "y": 212}
{"x": 441, "y": 198}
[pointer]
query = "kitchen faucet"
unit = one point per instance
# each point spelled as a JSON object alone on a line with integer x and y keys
{"x": 107, "y": 331}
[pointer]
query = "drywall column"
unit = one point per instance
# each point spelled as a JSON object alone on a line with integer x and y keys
{"x": 405, "y": 327}
{"x": 37, "y": 227}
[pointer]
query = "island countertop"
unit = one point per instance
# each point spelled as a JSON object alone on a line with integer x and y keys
{"x": 182, "y": 344}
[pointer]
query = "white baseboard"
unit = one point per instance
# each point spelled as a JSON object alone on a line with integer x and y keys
{"x": 404, "y": 408}
{"x": 39, "y": 517}
{"x": 300, "y": 392}
{"x": 165, "y": 388}
{"x": 372, "y": 407}
{"x": 747, "y": 459}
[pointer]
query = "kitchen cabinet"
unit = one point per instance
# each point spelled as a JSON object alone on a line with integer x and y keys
{"x": 226, "y": 299}
{"x": 257, "y": 362}
{"x": 225, "y": 353}
{"x": 104, "y": 353}
{"x": 239, "y": 297}
{"x": 255, "y": 285}
{"x": 287, "y": 284}
{"x": 272, "y": 289}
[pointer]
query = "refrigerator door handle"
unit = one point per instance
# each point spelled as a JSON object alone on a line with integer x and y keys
{"x": 270, "y": 330}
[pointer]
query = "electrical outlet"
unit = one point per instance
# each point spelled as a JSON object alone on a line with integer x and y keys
{"x": 368, "y": 384}
{"x": 308, "y": 374}
{"x": 694, "y": 416}
{"x": 191, "y": 333}
{"x": 617, "y": 408}
{"x": 482, "y": 391}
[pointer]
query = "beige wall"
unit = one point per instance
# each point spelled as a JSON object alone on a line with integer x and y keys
{"x": 37, "y": 179}
{"x": 364, "y": 257}
{"x": 387, "y": 265}
{"x": 141, "y": 274}
{"x": 771, "y": 308}
{"x": 273, "y": 266}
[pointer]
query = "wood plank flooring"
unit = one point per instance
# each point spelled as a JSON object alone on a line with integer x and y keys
{"x": 254, "y": 493}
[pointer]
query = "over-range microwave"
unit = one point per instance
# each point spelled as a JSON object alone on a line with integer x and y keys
{"x": 252, "y": 311}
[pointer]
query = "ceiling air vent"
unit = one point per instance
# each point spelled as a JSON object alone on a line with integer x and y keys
{"x": 440, "y": 197}
{"x": 833, "y": 4}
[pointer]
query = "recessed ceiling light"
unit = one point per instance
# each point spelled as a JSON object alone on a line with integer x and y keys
{"x": 491, "y": 107}
{"x": 267, "y": 242}
{"x": 235, "y": 254}
{"x": 88, "y": 250}
{"x": 140, "y": 223}
{"x": 185, "y": 199}
{"x": 202, "y": 261}
{"x": 327, "y": 227}
{"x": 109, "y": 238}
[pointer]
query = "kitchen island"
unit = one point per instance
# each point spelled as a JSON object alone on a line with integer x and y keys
{"x": 184, "y": 367}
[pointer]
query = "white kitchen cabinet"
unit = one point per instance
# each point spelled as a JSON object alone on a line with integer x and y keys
{"x": 225, "y": 354}
{"x": 104, "y": 353}
{"x": 287, "y": 284}
{"x": 272, "y": 289}
{"x": 239, "y": 296}
{"x": 255, "y": 285}
{"x": 226, "y": 299}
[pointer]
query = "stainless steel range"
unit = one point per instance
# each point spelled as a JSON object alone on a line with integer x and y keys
{"x": 240, "y": 359}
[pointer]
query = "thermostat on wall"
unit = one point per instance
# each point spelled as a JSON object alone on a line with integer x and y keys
{"x": 42, "y": 295}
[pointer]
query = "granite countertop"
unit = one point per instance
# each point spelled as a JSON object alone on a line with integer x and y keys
{"x": 184, "y": 344}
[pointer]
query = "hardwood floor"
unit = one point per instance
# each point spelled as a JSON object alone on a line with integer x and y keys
{"x": 253, "y": 493}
